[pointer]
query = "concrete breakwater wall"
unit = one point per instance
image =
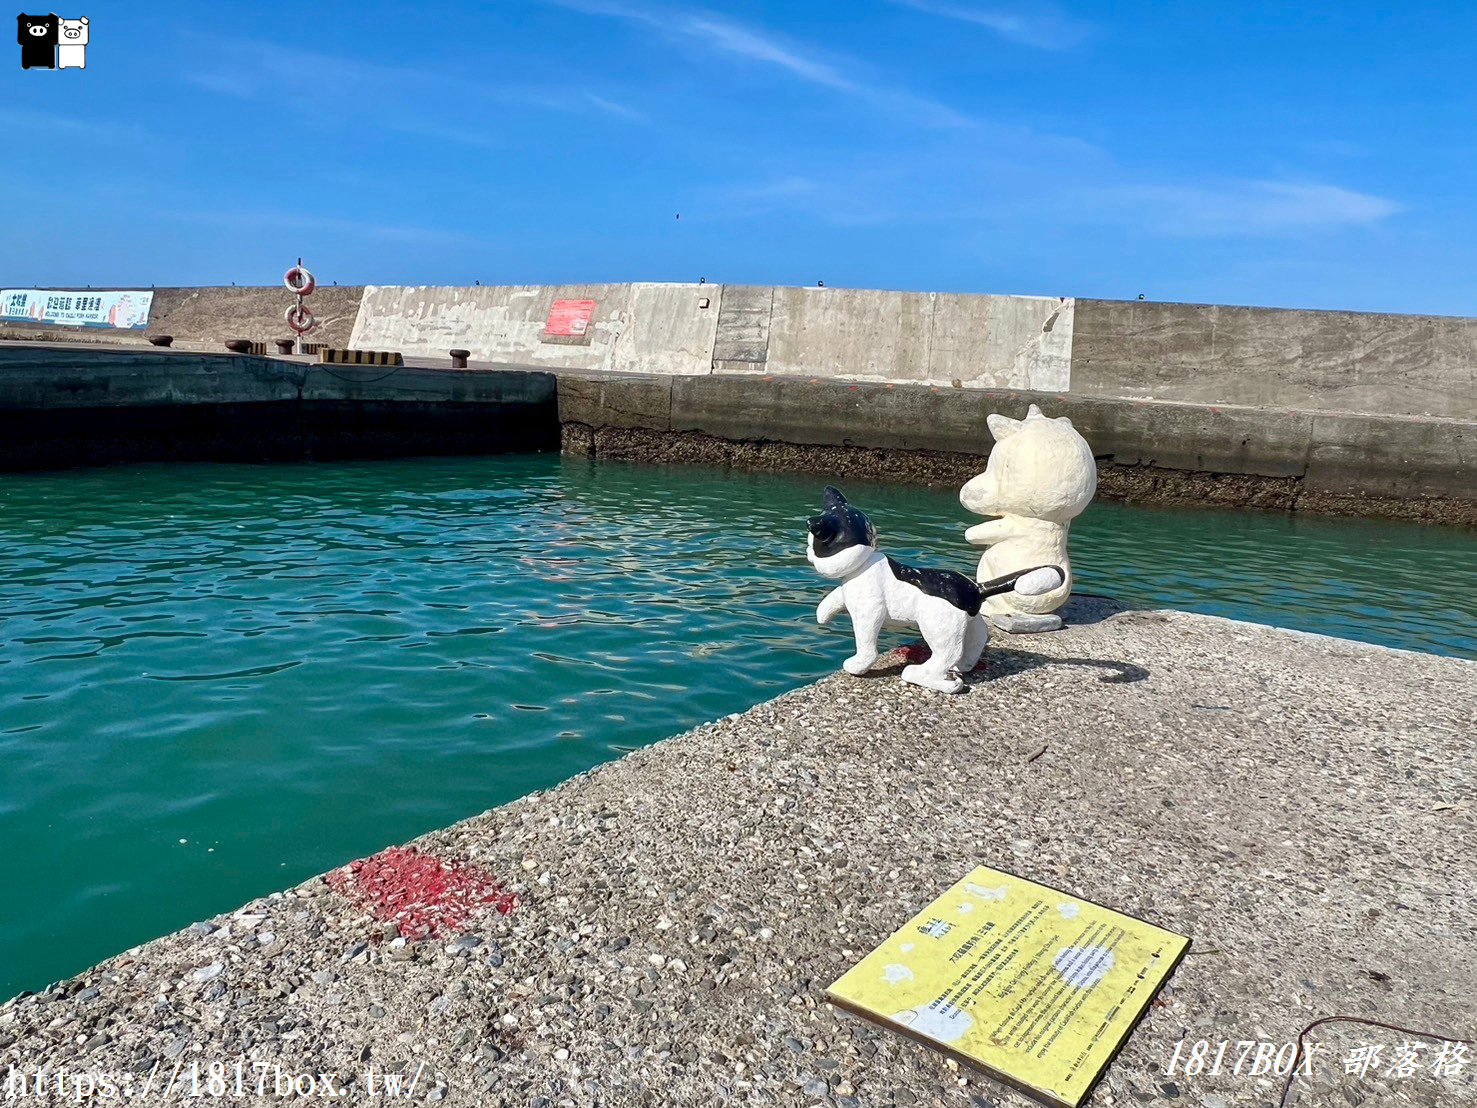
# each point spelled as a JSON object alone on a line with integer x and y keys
{"x": 1379, "y": 364}
{"x": 1371, "y": 363}
{"x": 67, "y": 406}
{"x": 645, "y": 327}
{"x": 1405, "y": 365}
{"x": 1020, "y": 342}
{"x": 1340, "y": 412}
{"x": 62, "y": 405}
{"x": 1150, "y": 451}
{"x": 204, "y": 318}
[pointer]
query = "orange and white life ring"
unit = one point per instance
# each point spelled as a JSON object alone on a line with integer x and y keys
{"x": 299, "y": 280}
{"x": 299, "y": 319}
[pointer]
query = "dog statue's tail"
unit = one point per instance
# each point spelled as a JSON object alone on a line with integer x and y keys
{"x": 1027, "y": 582}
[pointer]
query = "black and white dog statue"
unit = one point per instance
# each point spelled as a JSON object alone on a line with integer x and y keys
{"x": 877, "y": 591}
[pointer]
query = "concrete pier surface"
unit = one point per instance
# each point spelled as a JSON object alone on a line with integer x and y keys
{"x": 1300, "y": 806}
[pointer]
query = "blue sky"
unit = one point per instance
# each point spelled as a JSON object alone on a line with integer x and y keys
{"x": 1292, "y": 155}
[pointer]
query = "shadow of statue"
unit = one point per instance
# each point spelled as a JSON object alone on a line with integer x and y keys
{"x": 1005, "y": 663}
{"x": 1085, "y": 609}
{"x": 999, "y": 663}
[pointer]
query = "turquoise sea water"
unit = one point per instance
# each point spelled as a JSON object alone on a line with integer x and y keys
{"x": 218, "y": 680}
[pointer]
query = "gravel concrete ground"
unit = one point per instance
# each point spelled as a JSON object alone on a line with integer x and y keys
{"x": 1300, "y": 806}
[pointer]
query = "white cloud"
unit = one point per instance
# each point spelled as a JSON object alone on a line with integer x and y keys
{"x": 860, "y": 198}
{"x": 1042, "y": 25}
{"x": 1039, "y": 180}
{"x": 393, "y": 97}
{"x": 108, "y": 130}
{"x": 266, "y": 221}
{"x": 725, "y": 36}
{"x": 1242, "y": 207}
{"x": 620, "y": 111}
{"x": 782, "y": 188}
{"x": 733, "y": 39}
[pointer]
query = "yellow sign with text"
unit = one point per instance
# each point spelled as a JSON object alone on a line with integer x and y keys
{"x": 1036, "y": 987}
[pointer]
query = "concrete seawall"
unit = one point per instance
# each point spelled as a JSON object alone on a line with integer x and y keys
{"x": 1375, "y": 364}
{"x": 1371, "y": 363}
{"x": 652, "y": 328}
{"x": 1195, "y": 353}
{"x": 67, "y": 406}
{"x": 1331, "y": 361}
{"x": 1341, "y": 412}
{"x": 990, "y": 341}
{"x": 204, "y": 318}
{"x": 64, "y": 405}
{"x": 1175, "y": 453}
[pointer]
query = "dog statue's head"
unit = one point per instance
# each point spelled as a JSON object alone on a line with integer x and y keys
{"x": 841, "y": 538}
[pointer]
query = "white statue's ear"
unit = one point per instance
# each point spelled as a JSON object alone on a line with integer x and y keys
{"x": 1002, "y": 427}
{"x": 1033, "y": 412}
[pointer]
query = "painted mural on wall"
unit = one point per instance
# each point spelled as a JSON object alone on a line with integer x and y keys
{"x": 569, "y": 318}
{"x": 128, "y": 309}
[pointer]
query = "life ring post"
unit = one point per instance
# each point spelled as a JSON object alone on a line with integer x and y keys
{"x": 300, "y": 320}
{"x": 299, "y": 280}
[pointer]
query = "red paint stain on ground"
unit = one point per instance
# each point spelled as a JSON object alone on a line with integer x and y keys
{"x": 424, "y": 895}
{"x": 915, "y": 653}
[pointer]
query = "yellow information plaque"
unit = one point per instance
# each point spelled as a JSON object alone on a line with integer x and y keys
{"x": 1035, "y": 987}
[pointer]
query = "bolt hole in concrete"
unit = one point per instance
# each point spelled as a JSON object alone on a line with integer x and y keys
{"x": 218, "y": 680}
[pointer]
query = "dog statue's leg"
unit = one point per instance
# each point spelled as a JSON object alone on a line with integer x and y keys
{"x": 867, "y": 623}
{"x": 976, "y": 638}
{"x": 834, "y": 601}
{"x": 946, "y": 630}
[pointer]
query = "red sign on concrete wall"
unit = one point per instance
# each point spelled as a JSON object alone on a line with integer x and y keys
{"x": 569, "y": 317}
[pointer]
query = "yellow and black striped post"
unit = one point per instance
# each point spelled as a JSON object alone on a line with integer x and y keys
{"x": 337, "y": 356}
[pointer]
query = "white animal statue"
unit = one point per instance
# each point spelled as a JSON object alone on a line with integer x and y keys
{"x": 876, "y": 590}
{"x": 1040, "y": 476}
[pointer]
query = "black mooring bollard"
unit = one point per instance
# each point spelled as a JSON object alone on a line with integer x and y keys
{"x": 239, "y": 346}
{"x": 161, "y": 340}
{"x": 459, "y": 358}
{"x": 284, "y": 346}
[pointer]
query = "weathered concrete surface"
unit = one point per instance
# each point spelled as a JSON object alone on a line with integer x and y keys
{"x": 1300, "y": 806}
{"x": 857, "y": 334}
{"x": 204, "y": 318}
{"x": 1168, "y": 452}
{"x": 1000, "y": 342}
{"x": 650, "y": 328}
{"x": 741, "y": 343}
{"x": 66, "y": 405}
{"x": 1339, "y": 361}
